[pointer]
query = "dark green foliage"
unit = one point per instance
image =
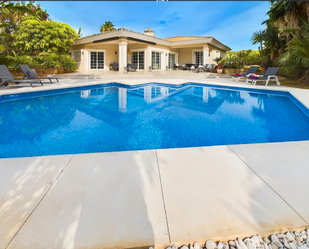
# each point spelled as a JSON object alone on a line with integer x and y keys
{"x": 48, "y": 60}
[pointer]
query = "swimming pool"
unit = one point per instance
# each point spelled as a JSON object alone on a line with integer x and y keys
{"x": 115, "y": 117}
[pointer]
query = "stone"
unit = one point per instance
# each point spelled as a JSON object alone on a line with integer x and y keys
{"x": 297, "y": 233}
{"x": 167, "y": 247}
{"x": 242, "y": 244}
{"x": 267, "y": 241}
{"x": 225, "y": 245}
{"x": 266, "y": 245}
{"x": 307, "y": 242}
{"x": 292, "y": 245}
{"x": 285, "y": 243}
{"x": 273, "y": 245}
{"x": 289, "y": 236}
{"x": 281, "y": 235}
{"x": 174, "y": 246}
{"x": 299, "y": 238}
{"x": 260, "y": 239}
{"x": 303, "y": 247}
{"x": 304, "y": 236}
{"x": 250, "y": 244}
{"x": 307, "y": 231}
{"x": 238, "y": 246}
{"x": 232, "y": 243}
{"x": 279, "y": 244}
{"x": 210, "y": 244}
{"x": 274, "y": 238}
{"x": 191, "y": 247}
{"x": 220, "y": 245}
{"x": 232, "y": 247}
{"x": 303, "y": 232}
{"x": 184, "y": 247}
{"x": 256, "y": 241}
{"x": 196, "y": 245}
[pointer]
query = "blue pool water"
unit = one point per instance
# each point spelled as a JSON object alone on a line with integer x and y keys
{"x": 115, "y": 117}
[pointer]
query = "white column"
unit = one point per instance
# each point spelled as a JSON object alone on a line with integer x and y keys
{"x": 205, "y": 94}
{"x": 85, "y": 93}
{"x": 206, "y": 54}
{"x": 122, "y": 99}
{"x": 147, "y": 93}
{"x": 164, "y": 90}
{"x": 123, "y": 44}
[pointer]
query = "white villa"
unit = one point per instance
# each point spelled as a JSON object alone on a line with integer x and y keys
{"x": 146, "y": 51}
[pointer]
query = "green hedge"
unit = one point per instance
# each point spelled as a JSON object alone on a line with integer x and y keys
{"x": 44, "y": 59}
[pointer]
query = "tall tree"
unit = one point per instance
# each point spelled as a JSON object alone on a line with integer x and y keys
{"x": 35, "y": 36}
{"x": 11, "y": 15}
{"x": 107, "y": 26}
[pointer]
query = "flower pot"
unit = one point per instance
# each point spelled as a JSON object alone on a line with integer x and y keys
{"x": 220, "y": 70}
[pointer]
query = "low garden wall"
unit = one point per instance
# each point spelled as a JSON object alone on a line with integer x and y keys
{"x": 240, "y": 70}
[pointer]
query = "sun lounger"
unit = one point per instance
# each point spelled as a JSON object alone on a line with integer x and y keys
{"x": 251, "y": 70}
{"x": 7, "y": 77}
{"x": 210, "y": 67}
{"x": 31, "y": 74}
{"x": 270, "y": 74}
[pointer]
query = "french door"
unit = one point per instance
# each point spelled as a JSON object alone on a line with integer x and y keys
{"x": 138, "y": 59}
{"x": 96, "y": 60}
{"x": 156, "y": 61}
{"x": 171, "y": 61}
{"x": 199, "y": 58}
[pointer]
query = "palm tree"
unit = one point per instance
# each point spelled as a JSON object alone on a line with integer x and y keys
{"x": 258, "y": 37}
{"x": 107, "y": 26}
{"x": 288, "y": 14}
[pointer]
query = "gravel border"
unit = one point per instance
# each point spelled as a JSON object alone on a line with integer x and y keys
{"x": 289, "y": 240}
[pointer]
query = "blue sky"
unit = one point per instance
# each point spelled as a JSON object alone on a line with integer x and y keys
{"x": 231, "y": 22}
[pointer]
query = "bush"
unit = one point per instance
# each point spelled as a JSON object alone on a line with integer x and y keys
{"x": 13, "y": 62}
{"x": 253, "y": 58}
{"x": 44, "y": 59}
{"x": 288, "y": 72}
{"x": 57, "y": 61}
{"x": 68, "y": 62}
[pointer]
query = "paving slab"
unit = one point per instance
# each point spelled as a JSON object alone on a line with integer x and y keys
{"x": 24, "y": 182}
{"x": 101, "y": 200}
{"x": 284, "y": 167}
{"x": 210, "y": 193}
{"x": 303, "y": 144}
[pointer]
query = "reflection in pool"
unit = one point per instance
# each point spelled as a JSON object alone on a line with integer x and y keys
{"x": 152, "y": 116}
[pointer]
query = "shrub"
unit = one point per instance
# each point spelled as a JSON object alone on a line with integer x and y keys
{"x": 13, "y": 62}
{"x": 68, "y": 62}
{"x": 253, "y": 58}
{"x": 288, "y": 72}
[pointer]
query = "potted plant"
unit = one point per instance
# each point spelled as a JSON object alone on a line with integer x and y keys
{"x": 219, "y": 68}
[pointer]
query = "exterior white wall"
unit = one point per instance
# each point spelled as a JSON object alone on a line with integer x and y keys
{"x": 112, "y": 53}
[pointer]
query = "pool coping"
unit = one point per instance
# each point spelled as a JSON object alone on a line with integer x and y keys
{"x": 163, "y": 210}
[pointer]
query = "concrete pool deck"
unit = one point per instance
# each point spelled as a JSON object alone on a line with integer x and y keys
{"x": 138, "y": 199}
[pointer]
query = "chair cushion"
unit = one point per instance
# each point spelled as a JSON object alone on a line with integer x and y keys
{"x": 253, "y": 76}
{"x": 238, "y": 74}
{"x": 32, "y": 74}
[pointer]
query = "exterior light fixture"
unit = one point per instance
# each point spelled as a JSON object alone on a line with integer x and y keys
{"x": 115, "y": 52}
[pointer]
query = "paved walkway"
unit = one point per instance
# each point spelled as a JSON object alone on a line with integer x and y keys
{"x": 154, "y": 197}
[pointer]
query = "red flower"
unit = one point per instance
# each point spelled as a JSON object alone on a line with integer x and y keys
{"x": 220, "y": 66}
{"x": 32, "y": 9}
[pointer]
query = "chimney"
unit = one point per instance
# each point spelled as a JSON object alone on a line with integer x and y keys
{"x": 149, "y": 32}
